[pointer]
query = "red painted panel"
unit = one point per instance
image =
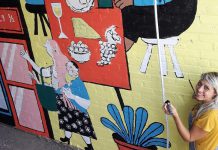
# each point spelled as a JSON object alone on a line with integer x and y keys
{"x": 116, "y": 74}
{"x": 10, "y": 20}
{"x": 26, "y": 107}
{"x": 31, "y": 109}
{"x": 16, "y": 68}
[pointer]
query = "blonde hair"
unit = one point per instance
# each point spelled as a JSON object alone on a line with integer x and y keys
{"x": 212, "y": 79}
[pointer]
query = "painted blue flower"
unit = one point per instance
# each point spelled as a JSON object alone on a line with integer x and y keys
{"x": 135, "y": 133}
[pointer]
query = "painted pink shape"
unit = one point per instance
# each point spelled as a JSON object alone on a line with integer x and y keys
{"x": 15, "y": 67}
{"x": 27, "y": 109}
{"x": 60, "y": 61}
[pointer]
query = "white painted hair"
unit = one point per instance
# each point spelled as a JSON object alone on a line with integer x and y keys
{"x": 212, "y": 79}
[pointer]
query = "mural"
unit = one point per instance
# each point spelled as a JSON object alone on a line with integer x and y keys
{"x": 4, "y": 104}
{"x": 109, "y": 48}
{"x": 85, "y": 63}
{"x": 37, "y": 7}
{"x": 81, "y": 26}
{"x": 172, "y": 21}
{"x": 71, "y": 95}
{"x": 19, "y": 91}
{"x": 72, "y": 107}
{"x": 80, "y": 6}
{"x": 134, "y": 137}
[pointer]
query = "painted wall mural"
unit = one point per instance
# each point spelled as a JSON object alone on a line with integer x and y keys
{"x": 78, "y": 25}
{"x": 172, "y": 21}
{"x": 74, "y": 70}
{"x": 37, "y": 7}
{"x": 135, "y": 136}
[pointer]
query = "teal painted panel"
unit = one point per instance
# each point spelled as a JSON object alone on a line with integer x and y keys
{"x": 105, "y": 3}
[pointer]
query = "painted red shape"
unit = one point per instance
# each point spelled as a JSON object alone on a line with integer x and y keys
{"x": 125, "y": 146}
{"x": 116, "y": 74}
{"x": 10, "y": 20}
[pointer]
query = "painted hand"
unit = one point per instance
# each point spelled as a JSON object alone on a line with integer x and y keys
{"x": 67, "y": 102}
{"x": 24, "y": 54}
{"x": 123, "y": 3}
{"x": 68, "y": 93}
{"x": 32, "y": 75}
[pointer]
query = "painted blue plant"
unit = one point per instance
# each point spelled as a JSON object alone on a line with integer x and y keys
{"x": 134, "y": 132}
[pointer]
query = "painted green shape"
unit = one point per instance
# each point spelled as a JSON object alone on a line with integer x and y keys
{"x": 83, "y": 30}
{"x": 47, "y": 97}
{"x": 105, "y": 3}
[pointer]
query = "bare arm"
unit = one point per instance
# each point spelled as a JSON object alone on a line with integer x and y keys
{"x": 191, "y": 135}
{"x": 45, "y": 72}
{"x": 33, "y": 76}
{"x": 81, "y": 101}
{"x": 67, "y": 102}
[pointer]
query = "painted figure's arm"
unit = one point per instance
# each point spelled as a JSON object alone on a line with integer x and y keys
{"x": 191, "y": 135}
{"x": 81, "y": 101}
{"x": 45, "y": 72}
{"x": 149, "y": 2}
{"x": 33, "y": 76}
{"x": 123, "y": 3}
{"x": 67, "y": 102}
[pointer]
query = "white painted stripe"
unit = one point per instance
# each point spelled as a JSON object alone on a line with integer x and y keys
{"x": 163, "y": 59}
{"x": 19, "y": 101}
{"x": 13, "y": 92}
{"x": 146, "y": 59}
{"x": 11, "y": 60}
{"x": 4, "y": 52}
{"x": 176, "y": 66}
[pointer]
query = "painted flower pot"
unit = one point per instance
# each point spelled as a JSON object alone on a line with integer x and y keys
{"x": 122, "y": 145}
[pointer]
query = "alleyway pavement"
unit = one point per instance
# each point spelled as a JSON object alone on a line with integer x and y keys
{"x": 15, "y": 139}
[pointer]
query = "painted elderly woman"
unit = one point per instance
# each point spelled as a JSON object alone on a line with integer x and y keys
{"x": 56, "y": 70}
{"x": 72, "y": 107}
{"x": 72, "y": 99}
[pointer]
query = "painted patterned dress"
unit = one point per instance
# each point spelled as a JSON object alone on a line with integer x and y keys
{"x": 75, "y": 120}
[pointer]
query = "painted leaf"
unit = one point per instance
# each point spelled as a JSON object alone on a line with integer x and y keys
{"x": 153, "y": 130}
{"x": 107, "y": 123}
{"x": 112, "y": 109}
{"x": 141, "y": 118}
{"x": 129, "y": 119}
{"x": 156, "y": 142}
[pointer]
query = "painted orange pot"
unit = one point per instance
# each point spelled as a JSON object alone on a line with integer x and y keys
{"x": 122, "y": 145}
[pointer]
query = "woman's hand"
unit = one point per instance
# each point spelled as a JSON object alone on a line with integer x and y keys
{"x": 123, "y": 3}
{"x": 173, "y": 109}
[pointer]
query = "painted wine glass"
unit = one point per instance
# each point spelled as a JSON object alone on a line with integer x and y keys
{"x": 57, "y": 10}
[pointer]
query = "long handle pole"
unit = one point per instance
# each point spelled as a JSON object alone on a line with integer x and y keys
{"x": 161, "y": 69}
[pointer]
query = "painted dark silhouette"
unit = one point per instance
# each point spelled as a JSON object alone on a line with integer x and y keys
{"x": 173, "y": 17}
{"x": 37, "y": 7}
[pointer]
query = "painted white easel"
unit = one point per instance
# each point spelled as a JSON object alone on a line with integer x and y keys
{"x": 170, "y": 43}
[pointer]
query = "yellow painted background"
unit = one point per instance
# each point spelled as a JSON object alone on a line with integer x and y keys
{"x": 197, "y": 52}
